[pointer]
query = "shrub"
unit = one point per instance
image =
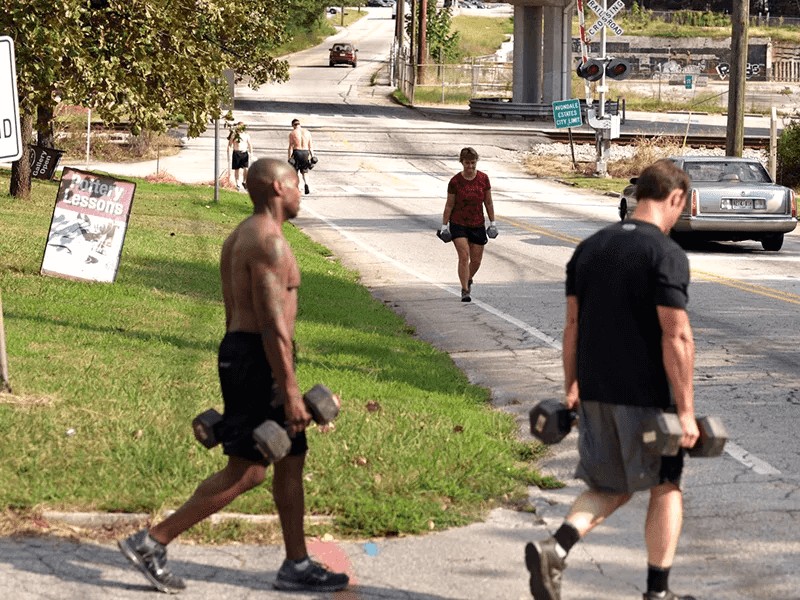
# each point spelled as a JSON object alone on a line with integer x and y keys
{"x": 788, "y": 171}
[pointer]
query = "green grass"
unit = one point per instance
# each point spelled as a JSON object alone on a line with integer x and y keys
{"x": 479, "y": 36}
{"x": 127, "y": 366}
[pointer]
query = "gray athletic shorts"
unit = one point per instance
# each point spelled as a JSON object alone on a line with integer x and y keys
{"x": 612, "y": 456}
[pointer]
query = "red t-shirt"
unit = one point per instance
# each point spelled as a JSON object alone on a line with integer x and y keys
{"x": 469, "y": 197}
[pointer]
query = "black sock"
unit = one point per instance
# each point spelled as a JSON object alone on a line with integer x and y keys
{"x": 657, "y": 579}
{"x": 567, "y": 536}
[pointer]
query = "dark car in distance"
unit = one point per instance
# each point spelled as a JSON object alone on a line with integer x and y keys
{"x": 343, "y": 53}
{"x": 731, "y": 199}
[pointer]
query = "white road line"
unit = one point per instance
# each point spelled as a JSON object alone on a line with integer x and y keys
{"x": 740, "y": 454}
{"x": 748, "y": 460}
{"x": 450, "y": 290}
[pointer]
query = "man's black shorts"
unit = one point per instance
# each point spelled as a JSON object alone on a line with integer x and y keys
{"x": 247, "y": 391}
{"x": 302, "y": 160}
{"x": 474, "y": 235}
{"x": 240, "y": 160}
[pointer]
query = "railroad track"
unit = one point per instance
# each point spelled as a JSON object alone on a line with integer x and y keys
{"x": 693, "y": 141}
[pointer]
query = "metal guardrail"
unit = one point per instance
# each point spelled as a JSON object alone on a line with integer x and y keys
{"x": 503, "y": 107}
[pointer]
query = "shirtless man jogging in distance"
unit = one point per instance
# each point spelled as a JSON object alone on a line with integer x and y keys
{"x": 301, "y": 153}
{"x": 260, "y": 278}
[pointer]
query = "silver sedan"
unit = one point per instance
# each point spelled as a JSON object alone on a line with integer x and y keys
{"x": 730, "y": 199}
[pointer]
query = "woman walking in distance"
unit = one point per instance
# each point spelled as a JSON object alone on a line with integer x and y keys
{"x": 463, "y": 221}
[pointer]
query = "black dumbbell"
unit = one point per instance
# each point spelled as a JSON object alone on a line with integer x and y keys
{"x": 205, "y": 427}
{"x": 551, "y": 421}
{"x": 272, "y": 440}
{"x": 663, "y": 434}
{"x": 322, "y": 403}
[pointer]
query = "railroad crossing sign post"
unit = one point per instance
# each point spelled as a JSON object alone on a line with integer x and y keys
{"x": 10, "y": 137}
{"x": 600, "y": 121}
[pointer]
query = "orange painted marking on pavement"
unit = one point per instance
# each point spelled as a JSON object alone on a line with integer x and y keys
{"x": 336, "y": 559}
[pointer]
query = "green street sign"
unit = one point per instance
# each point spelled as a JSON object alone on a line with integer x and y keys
{"x": 567, "y": 113}
{"x": 687, "y": 81}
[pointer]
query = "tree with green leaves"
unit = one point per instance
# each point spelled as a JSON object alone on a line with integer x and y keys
{"x": 440, "y": 40}
{"x": 145, "y": 62}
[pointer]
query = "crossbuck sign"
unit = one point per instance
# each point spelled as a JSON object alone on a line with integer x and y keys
{"x": 606, "y": 17}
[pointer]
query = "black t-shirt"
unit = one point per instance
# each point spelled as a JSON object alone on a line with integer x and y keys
{"x": 619, "y": 275}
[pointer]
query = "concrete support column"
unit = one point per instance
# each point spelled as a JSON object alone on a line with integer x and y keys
{"x": 553, "y": 54}
{"x": 527, "y": 81}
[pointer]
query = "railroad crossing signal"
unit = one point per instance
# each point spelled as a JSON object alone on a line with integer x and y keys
{"x": 593, "y": 69}
{"x": 606, "y": 17}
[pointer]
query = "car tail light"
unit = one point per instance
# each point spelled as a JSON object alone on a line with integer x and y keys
{"x": 793, "y": 203}
{"x": 695, "y": 200}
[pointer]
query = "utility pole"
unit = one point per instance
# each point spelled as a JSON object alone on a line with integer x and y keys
{"x": 740, "y": 16}
{"x": 400, "y": 22}
{"x": 422, "y": 47}
{"x": 412, "y": 39}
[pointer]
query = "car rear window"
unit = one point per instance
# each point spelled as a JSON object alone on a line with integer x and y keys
{"x": 727, "y": 171}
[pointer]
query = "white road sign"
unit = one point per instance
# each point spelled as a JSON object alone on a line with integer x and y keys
{"x": 606, "y": 17}
{"x": 10, "y": 139}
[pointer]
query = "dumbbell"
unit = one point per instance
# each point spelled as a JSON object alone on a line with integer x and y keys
{"x": 663, "y": 434}
{"x": 320, "y": 402}
{"x": 206, "y": 427}
{"x": 551, "y": 421}
{"x": 272, "y": 440}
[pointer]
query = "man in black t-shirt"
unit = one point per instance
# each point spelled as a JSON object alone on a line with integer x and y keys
{"x": 628, "y": 354}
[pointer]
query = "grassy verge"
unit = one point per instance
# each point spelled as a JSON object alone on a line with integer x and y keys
{"x": 127, "y": 365}
{"x": 479, "y": 36}
{"x": 302, "y": 40}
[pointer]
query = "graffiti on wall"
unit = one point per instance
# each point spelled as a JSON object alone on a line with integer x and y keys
{"x": 656, "y": 62}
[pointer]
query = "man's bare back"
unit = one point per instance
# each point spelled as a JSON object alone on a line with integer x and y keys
{"x": 299, "y": 138}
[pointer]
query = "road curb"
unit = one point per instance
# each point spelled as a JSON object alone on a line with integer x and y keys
{"x": 93, "y": 520}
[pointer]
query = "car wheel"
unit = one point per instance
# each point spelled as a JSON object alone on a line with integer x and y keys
{"x": 772, "y": 242}
{"x": 354, "y": 65}
{"x": 330, "y": 64}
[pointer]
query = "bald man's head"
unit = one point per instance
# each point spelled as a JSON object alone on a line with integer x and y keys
{"x": 263, "y": 173}
{"x": 262, "y": 178}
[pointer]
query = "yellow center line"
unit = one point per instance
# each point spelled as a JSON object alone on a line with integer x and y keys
{"x": 545, "y": 232}
{"x": 753, "y": 288}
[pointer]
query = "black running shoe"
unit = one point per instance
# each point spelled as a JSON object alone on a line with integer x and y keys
{"x": 665, "y": 596}
{"x": 545, "y": 568}
{"x": 150, "y": 558}
{"x": 308, "y": 189}
{"x": 465, "y": 297}
{"x": 314, "y": 578}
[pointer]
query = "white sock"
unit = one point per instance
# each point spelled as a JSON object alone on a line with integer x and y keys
{"x": 302, "y": 565}
{"x": 562, "y": 554}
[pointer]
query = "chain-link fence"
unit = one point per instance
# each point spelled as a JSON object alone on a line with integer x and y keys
{"x": 452, "y": 83}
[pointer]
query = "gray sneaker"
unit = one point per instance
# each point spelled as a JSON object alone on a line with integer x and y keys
{"x": 314, "y": 578}
{"x": 545, "y": 568}
{"x": 150, "y": 557}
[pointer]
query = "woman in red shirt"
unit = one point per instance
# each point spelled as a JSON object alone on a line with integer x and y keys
{"x": 467, "y": 193}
